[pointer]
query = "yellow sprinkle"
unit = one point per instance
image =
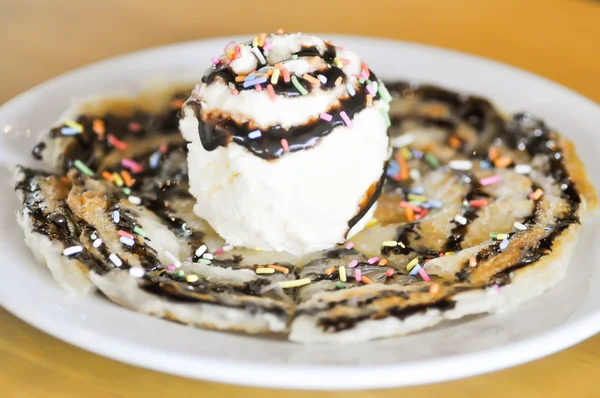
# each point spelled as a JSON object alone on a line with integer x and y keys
{"x": 275, "y": 76}
{"x": 337, "y": 62}
{"x": 418, "y": 198}
{"x": 256, "y": 248}
{"x": 401, "y": 245}
{"x": 73, "y": 124}
{"x": 191, "y": 278}
{"x": 502, "y": 236}
{"x": 449, "y": 253}
{"x": 265, "y": 270}
{"x": 255, "y": 42}
{"x": 118, "y": 180}
{"x": 373, "y": 221}
{"x": 412, "y": 263}
{"x": 295, "y": 283}
{"x": 405, "y": 152}
{"x": 342, "y": 271}
{"x": 389, "y": 243}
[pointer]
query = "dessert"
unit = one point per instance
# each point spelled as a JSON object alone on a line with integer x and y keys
{"x": 477, "y": 213}
{"x": 287, "y": 144}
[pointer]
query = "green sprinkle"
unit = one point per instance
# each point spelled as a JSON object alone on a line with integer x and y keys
{"x": 83, "y": 168}
{"x": 493, "y": 235}
{"x": 339, "y": 285}
{"x": 93, "y": 236}
{"x": 298, "y": 86}
{"x": 415, "y": 202}
{"x": 384, "y": 93}
{"x": 369, "y": 81}
{"x": 74, "y": 125}
{"x": 139, "y": 231}
{"x": 294, "y": 56}
{"x": 361, "y": 80}
{"x": 432, "y": 160}
{"x": 127, "y": 191}
{"x": 386, "y": 116}
{"x": 179, "y": 274}
{"x": 204, "y": 261}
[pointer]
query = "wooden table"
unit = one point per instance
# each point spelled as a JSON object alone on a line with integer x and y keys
{"x": 559, "y": 39}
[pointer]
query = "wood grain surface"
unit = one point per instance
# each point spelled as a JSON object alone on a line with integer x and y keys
{"x": 558, "y": 39}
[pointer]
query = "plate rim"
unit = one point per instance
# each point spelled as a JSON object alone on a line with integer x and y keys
{"x": 391, "y": 375}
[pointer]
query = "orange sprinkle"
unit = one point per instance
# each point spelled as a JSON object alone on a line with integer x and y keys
{"x": 338, "y": 81}
{"x": 366, "y": 280}
{"x": 329, "y": 271}
{"x": 286, "y": 75}
{"x": 454, "y": 142}
{"x": 261, "y": 39}
{"x": 537, "y": 194}
{"x": 65, "y": 179}
{"x": 382, "y": 262}
{"x": 279, "y": 31}
{"x": 493, "y": 153}
{"x": 472, "y": 262}
{"x": 278, "y": 65}
{"x": 313, "y": 80}
{"x": 127, "y": 178}
{"x": 278, "y": 268}
{"x": 107, "y": 176}
{"x": 99, "y": 128}
{"x": 271, "y": 92}
{"x": 117, "y": 143}
{"x": 410, "y": 214}
{"x": 403, "y": 166}
{"x": 369, "y": 100}
{"x": 502, "y": 162}
{"x": 434, "y": 288}
{"x": 421, "y": 214}
{"x": 240, "y": 78}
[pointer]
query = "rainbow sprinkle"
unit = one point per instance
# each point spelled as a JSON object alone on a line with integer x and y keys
{"x": 115, "y": 260}
{"x": 69, "y": 251}
{"x": 484, "y": 182}
{"x": 83, "y": 168}
{"x": 294, "y": 283}
{"x": 254, "y": 134}
{"x": 285, "y": 145}
{"x": 389, "y": 272}
{"x": 342, "y": 272}
{"x": 262, "y": 270}
{"x": 298, "y": 86}
{"x": 346, "y": 119}
{"x": 275, "y": 75}
{"x": 353, "y": 264}
{"x": 326, "y": 116}
{"x": 137, "y": 272}
{"x": 358, "y": 275}
{"x": 349, "y": 245}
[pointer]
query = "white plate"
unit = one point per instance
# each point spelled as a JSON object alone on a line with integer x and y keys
{"x": 560, "y": 318}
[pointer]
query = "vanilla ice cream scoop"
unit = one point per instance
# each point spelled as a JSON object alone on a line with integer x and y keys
{"x": 287, "y": 143}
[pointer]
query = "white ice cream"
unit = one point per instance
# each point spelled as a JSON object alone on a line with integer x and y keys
{"x": 299, "y": 202}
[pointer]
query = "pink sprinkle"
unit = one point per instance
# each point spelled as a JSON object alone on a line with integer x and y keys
{"x": 220, "y": 251}
{"x": 215, "y": 60}
{"x": 365, "y": 69}
{"x": 133, "y": 126}
{"x": 496, "y": 287}
{"x": 286, "y": 75}
{"x": 125, "y": 234}
{"x": 370, "y": 90}
{"x": 350, "y": 245}
{"x": 389, "y": 272}
{"x": 236, "y": 51}
{"x": 285, "y": 145}
{"x": 357, "y": 275}
{"x": 424, "y": 275}
{"x": 258, "y": 87}
{"x": 271, "y": 92}
{"x": 267, "y": 46}
{"x": 346, "y": 119}
{"x": 132, "y": 165}
{"x": 163, "y": 148}
{"x": 490, "y": 180}
{"x": 326, "y": 116}
{"x": 171, "y": 267}
{"x": 234, "y": 91}
{"x": 345, "y": 61}
{"x": 231, "y": 43}
{"x": 352, "y": 263}
{"x": 117, "y": 143}
{"x": 363, "y": 74}
{"x": 373, "y": 260}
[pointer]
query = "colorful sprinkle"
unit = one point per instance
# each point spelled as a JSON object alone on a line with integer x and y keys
{"x": 326, "y": 116}
{"x": 69, "y": 251}
{"x": 275, "y": 75}
{"x": 129, "y": 181}
{"x": 115, "y": 260}
{"x": 389, "y": 243}
{"x": 125, "y": 234}
{"x": 342, "y": 272}
{"x": 424, "y": 275}
{"x": 432, "y": 160}
{"x": 295, "y": 283}
{"x": 259, "y": 56}
{"x": 349, "y": 245}
{"x": 285, "y": 145}
{"x": 68, "y": 131}
{"x": 137, "y": 272}
{"x": 172, "y": 258}
{"x": 383, "y": 262}
{"x": 139, "y": 231}
{"x": 234, "y": 91}
{"x": 346, "y": 119}
{"x": 322, "y": 79}
{"x": 215, "y": 60}
{"x": 191, "y": 278}
{"x": 366, "y": 280}
{"x": 74, "y": 125}
{"x": 135, "y": 200}
{"x": 338, "y": 81}
{"x": 435, "y": 288}
{"x": 523, "y": 169}
{"x": 286, "y": 75}
{"x": 279, "y": 268}
{"x": 353, "y": 264}
{"x": 386, "y": 116}
{"x": 208, "y": 256}
{"x": 254, "y": 134}
{"x": 484, "y": 182}
{"x": 253, "y": 82}
{"x": 460, "y": 164}
{"x": 537, "y": 194}
{"x": 358, "y": 275}
{"x": 271, "y": 92}
{"x": 126, "y": 190}
{"x": 504, "y": 244}
{"x": 373, "y": 260}
{"x": 369, "y": 100}
{"x": 372, "y": 222}
{"x": 389, "y": 272}
{"x": 414, "y": 262}
{"x": 479, "y": 202}
{"x": 263, "y": 270}
{"x": 83, "y": 168}
{"x": 107, "y": 176}
{"x": 118, "y": 179}
{"x": 370, "y": 90}
{"x": 415, "y": 270}
{"x": 204, "y": 261}
{"x": 339, "y": 285}
{"x": 311, "y": 79}
{"x": 329, "y": 271}
{"x": 350, "y": 89}
{"x": 298, "y": 86}
{"x": 519, "y": 226}
{"x": 171, "y": 267}
{"x": 502, "y": 162}
{"x": 410, "y": 214}
{"x": 472, "y": 262}
{"x": 200, "y": 251}
{"x": 126, "y": 241}
{"x": 460, "y": 219}
{"x": 116, "y": 216}
{"x": 496, "y": 287}
{"x": 97, "y": 242}
{"x": 117, "y": 143}
{"x": 98, "y": 127}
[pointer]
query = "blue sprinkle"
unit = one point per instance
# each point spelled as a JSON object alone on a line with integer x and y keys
{"x": 254, "y": 134}
{"x": 504, "y": 244}
{"x": 254, "y": 82}
{"x": 127, "y": 241}
{"x": 485, "y": 165}
{"x": 350, "y": 89}
{"x": 68, "y": 131}
{"x": 417, "y": 190}
{"x": 116, "y": 216}
{"x": 393, "y": 168}
{"x": 435, "y": 203}
{"x": 417, "y": 154}
{"x": 415, "y": 270}
{"x": 154, "y": 159}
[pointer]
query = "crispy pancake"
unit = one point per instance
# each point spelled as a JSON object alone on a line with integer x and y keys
{"x": 479, "y": 213}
